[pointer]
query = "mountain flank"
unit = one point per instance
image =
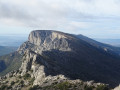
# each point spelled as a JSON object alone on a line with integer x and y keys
{"x": 51, "y": 56}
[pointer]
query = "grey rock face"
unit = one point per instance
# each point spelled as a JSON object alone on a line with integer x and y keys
{"x": 39, "y": 67}
{"x": 49, "y": 40}
{"x": 40, "y": 41}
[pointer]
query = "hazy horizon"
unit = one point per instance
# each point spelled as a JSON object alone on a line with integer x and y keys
{"x": 17, "y": 39}
{"x": 27, "y": 34}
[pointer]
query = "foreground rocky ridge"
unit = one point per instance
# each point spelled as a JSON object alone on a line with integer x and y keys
{"x": 51, "y": 58}
{"x": 14, "y": 81}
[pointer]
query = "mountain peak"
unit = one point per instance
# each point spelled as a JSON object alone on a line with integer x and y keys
{"x": 39, "y": 37}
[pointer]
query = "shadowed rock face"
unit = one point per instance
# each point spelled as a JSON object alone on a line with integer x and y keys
{"x": 51, "y": 53}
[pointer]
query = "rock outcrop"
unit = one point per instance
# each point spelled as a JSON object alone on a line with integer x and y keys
{"x": 117, "y": 88}
{"x": 46, "y": 40}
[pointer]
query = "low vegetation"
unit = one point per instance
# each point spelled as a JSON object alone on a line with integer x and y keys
{"x": 27, "y": 76}
{"x": 34, "y": 87}
{"x": 70, "y": 86}
{"x": 12, "y": 83}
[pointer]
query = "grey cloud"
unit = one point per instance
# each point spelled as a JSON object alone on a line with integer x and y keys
{"x": 56, "y": 13}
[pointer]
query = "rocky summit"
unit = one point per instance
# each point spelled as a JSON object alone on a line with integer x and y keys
{"x": 52, "y": 59}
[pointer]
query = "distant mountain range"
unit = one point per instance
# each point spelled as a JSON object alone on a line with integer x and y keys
{"x": 50, "y": 57}
{"x": 114, "y": 42}
{"x": 7, "y": 49}
{"x": 12, "y": 40}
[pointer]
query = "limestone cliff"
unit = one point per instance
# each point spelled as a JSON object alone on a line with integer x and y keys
{"x": 51, "y": 53}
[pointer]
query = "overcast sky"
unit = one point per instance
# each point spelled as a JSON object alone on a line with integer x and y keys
{"x": 93, "y": 18}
